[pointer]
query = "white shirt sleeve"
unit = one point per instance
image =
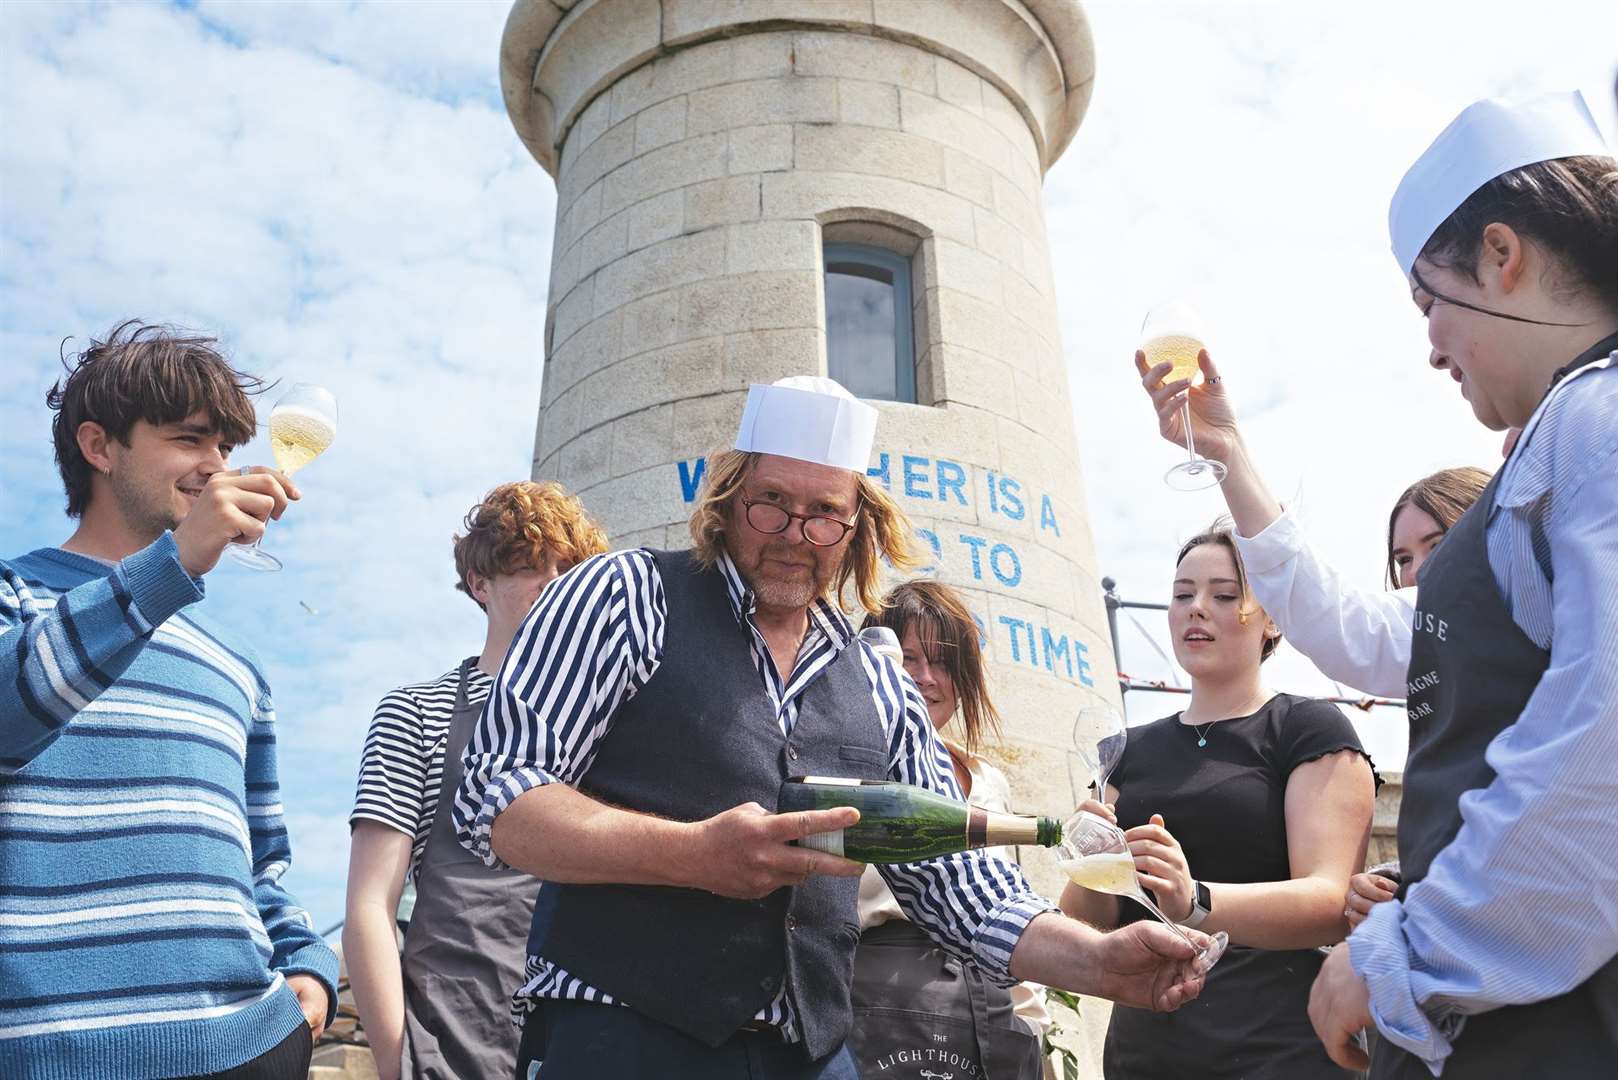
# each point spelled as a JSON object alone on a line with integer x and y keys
{"x": 1356, "y": 636}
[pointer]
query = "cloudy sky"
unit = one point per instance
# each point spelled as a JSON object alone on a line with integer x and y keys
{"x": 334, "y": 189}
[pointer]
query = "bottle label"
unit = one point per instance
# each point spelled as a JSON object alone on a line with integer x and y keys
{"x": 829, "y": 842}
{"x": 832, "y": 781}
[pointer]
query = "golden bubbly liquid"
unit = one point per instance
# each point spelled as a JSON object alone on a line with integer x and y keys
{"x": 1178, "y": 349}
{"x": 298, "y": 437}
{"x": 1111, "y": 872}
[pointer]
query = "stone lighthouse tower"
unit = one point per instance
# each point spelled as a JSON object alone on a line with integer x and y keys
{"x": 749, "y": 189}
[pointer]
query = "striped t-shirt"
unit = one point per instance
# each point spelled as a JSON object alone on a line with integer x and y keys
{"x": 402, "y": 765}
{"x": 144, "y": 929}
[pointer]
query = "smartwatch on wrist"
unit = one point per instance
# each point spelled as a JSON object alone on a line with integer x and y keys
{"x": 1201, "y": 905}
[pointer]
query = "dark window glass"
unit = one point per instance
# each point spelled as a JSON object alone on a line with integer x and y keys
{"x": 868, "y": 339}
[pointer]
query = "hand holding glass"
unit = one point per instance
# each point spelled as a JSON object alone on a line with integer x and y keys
{"x": 1095, "y": 855}
{"x": 302, "y": 425}
{"x": 1172, "y": 334}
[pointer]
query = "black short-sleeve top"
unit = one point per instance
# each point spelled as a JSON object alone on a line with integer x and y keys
{"x": 1225, "y": 802}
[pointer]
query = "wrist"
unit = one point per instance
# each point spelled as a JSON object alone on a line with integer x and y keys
{"x": 684, "y": 854}
{"x": 1059, "y": 951}
{"x": 159, "y": 582}
{"x": 1201, "y": 904}
{"x": 1229, "y": 451}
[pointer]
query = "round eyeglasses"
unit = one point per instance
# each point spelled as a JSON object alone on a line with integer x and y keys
{"x": 817, "y": 529}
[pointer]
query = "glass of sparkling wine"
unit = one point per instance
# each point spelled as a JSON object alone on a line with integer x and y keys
{"x": 302, "y": 424}
{"x": 1172, "y": 333}
{"x": 1094, "y": 855}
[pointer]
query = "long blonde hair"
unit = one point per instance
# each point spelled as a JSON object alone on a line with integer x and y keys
{"x": 881, "y": 529}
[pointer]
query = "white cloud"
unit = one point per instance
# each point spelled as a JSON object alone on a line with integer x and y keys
{"x": 359, "y": 217}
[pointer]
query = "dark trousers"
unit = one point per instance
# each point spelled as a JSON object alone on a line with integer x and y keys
{"x": 576, "y": 1040}
{"x": 286, "y": 1060}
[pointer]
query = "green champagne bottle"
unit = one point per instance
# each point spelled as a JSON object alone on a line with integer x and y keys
{"x": 900, "y": 823}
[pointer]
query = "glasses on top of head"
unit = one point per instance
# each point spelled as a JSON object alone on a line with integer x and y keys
{"x": 818, "y": 529}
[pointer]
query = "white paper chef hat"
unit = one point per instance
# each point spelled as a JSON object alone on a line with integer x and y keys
{"x": 1490, "y": 137}
{"x": 810, "y": 418}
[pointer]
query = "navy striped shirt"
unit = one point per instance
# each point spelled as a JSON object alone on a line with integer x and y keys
{"x": 402, "y": 765}
{"x": 594, "y": 640}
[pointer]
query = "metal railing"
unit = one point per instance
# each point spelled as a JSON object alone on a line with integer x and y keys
{"x": 1126, "y": 682}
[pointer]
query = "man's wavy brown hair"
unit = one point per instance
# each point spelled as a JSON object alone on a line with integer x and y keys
{"x": 517, "y": 525}
{"x": 881, "y": 530}
{"x": 144, "y": 371}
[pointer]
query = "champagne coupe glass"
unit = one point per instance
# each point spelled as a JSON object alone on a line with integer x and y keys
{"x": 1103, "y": 726}
{"x": 1094, "y": 855}
{"x": 1173, "y": 332}
{"x": 302, "y": 424}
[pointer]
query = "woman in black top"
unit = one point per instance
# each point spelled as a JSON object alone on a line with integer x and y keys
{"x": 1245, "y": 813}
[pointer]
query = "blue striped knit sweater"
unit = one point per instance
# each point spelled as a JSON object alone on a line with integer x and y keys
{"x": 143, "y": 928}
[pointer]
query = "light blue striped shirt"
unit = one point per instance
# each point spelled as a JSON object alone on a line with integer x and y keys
{"x": 596, "y": 638}
{"x": 1523, "y": 904}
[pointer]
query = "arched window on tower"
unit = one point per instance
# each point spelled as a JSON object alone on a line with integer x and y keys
{"x": 869, "y": 344}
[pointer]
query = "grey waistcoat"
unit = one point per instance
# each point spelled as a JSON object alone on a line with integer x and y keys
{"x": 700, "y": 738}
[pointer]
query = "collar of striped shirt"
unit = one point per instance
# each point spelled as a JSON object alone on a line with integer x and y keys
{"x": 744, "y": 602}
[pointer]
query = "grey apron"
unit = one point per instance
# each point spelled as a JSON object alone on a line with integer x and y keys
{"x": 921, "y": 1013}
{"x": 1477, "y": 670}
{"x": 467, "y": 944}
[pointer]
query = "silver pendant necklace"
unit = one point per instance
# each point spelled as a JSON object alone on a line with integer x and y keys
{"x": 1202, "y": 732}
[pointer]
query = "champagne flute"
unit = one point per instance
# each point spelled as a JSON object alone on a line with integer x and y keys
{"x": 1095, "y": 855}
{"x": 1104, "y": 725}
{"x": 1172, "y": 332}
{"x": 302, "y": 424}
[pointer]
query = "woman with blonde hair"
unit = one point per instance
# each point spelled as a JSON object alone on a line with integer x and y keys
{"x": 906, "y": 989}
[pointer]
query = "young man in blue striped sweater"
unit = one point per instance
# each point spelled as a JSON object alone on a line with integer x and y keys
{"x": 144, "y": 931}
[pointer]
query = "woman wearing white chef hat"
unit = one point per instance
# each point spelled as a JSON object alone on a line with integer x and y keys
{"x": 1507, "y": 231}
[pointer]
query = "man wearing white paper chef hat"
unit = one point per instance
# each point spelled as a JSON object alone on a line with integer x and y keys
{"x": 636, "y": 739}
{"x": 1507, "y": 229}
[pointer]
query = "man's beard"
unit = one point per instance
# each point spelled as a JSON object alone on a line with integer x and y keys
{"x": 146, "y": 514}
{"x": 798, "y": 591}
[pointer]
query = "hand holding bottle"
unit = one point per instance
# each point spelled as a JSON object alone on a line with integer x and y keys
{"x": 747, "y": 852}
